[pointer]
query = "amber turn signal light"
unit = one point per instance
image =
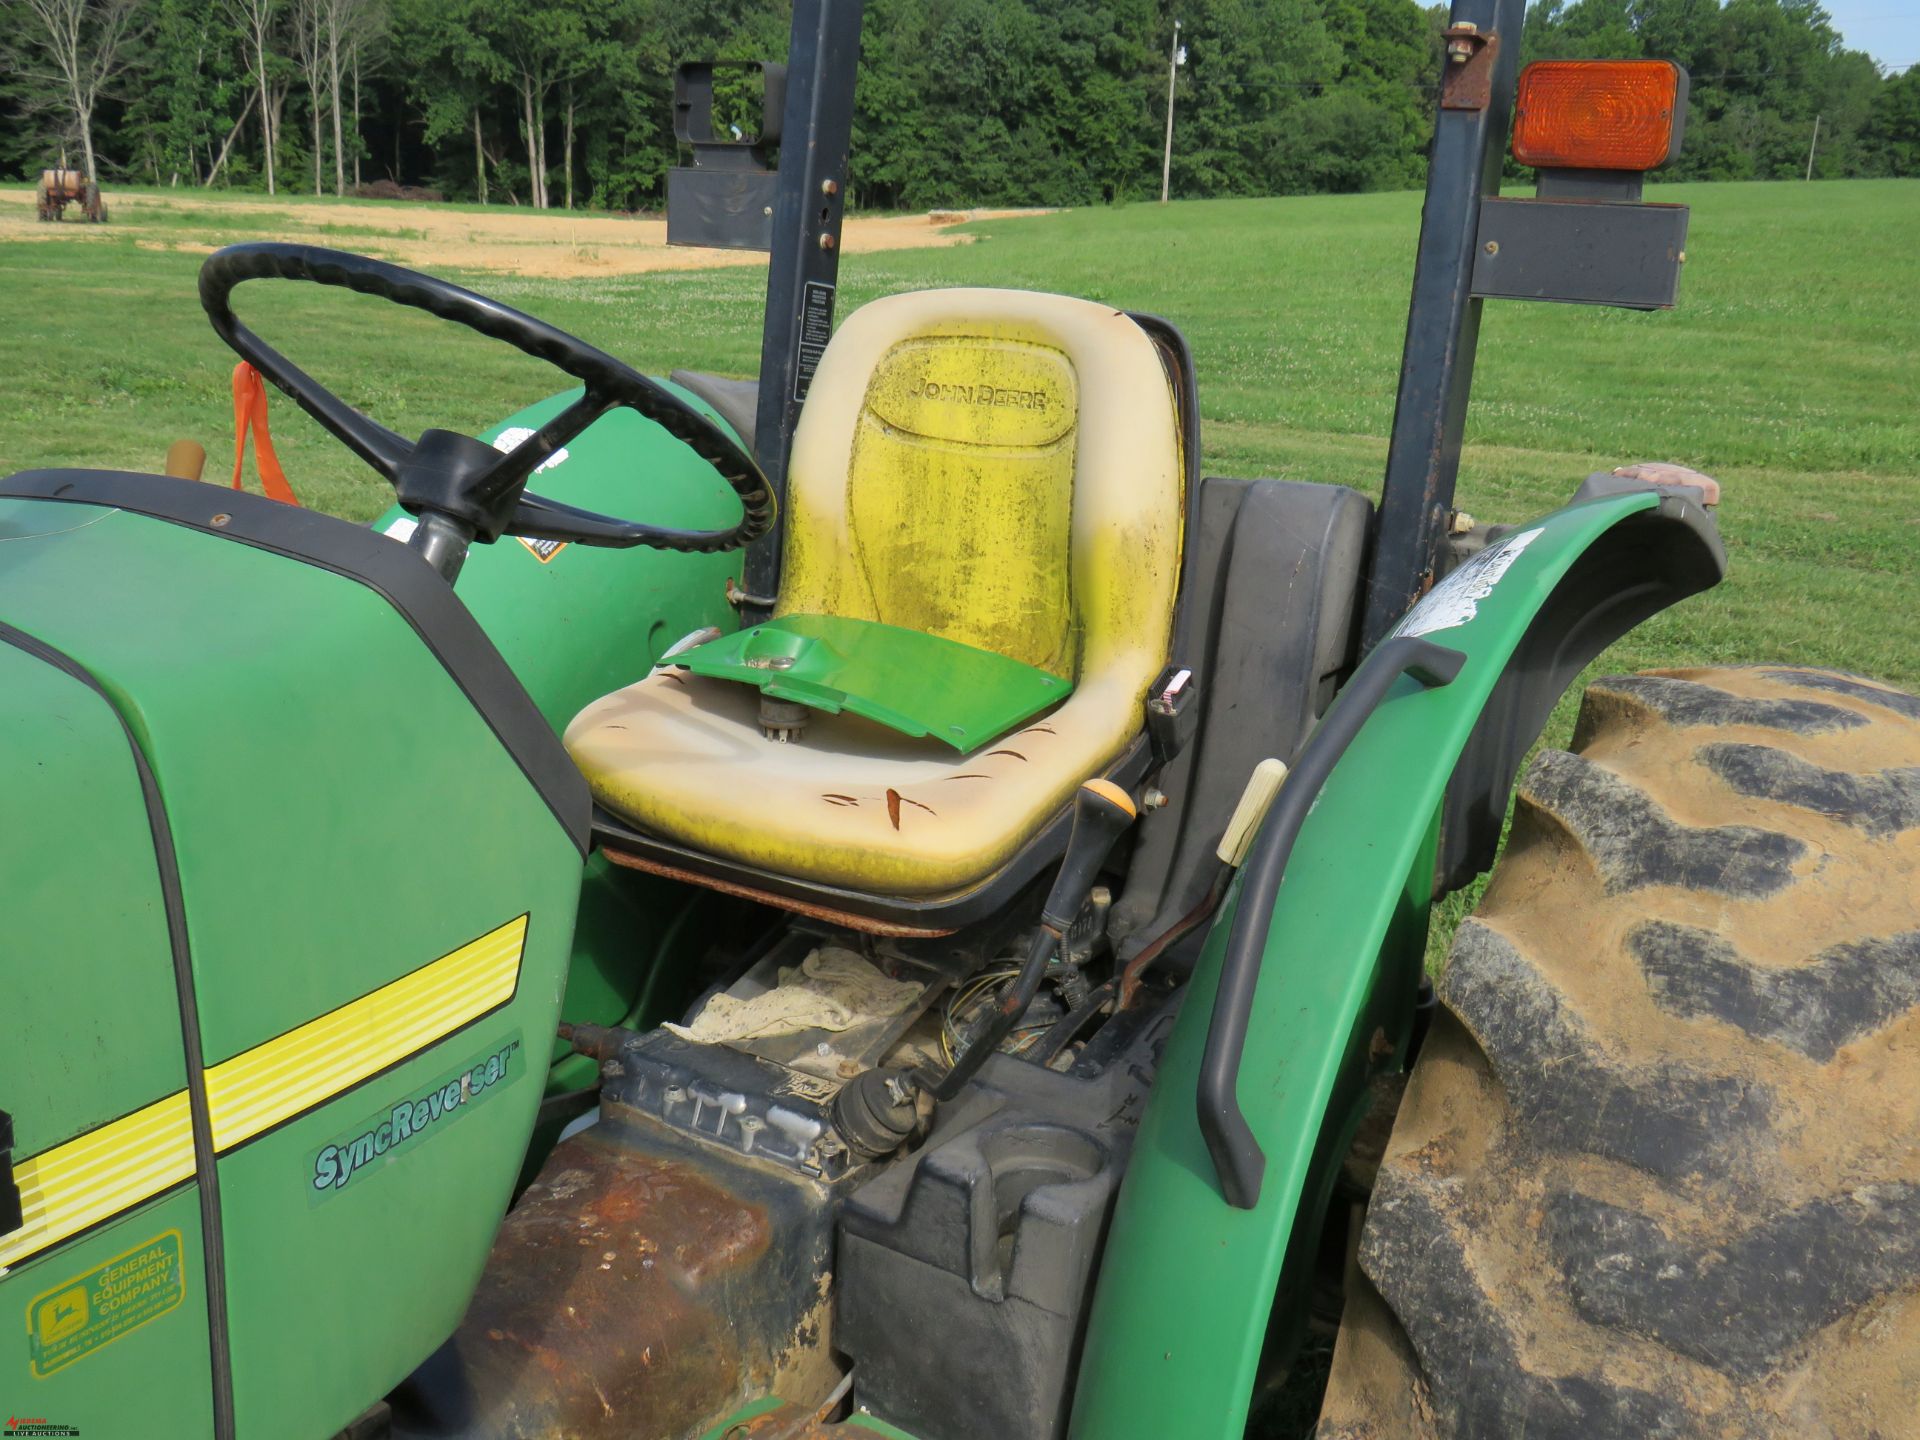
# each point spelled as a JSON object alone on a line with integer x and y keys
{"x": 1599, "y": 114}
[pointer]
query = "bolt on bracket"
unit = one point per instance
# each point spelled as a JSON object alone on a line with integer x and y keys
{"x": 1468, "y": 82}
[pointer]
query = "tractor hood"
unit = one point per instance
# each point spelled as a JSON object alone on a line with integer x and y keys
{"x": 290, "y": 864}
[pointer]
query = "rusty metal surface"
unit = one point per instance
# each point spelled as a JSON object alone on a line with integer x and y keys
{"x": 637, "y": 1289}
{"x": 57, "y": 189}
{"x": 867, "y": 924}
{"x": 1468, "y": 82}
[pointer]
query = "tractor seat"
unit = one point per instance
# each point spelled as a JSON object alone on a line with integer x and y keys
{"x": 995, "y": 467}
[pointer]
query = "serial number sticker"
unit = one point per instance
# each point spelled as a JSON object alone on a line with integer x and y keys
{"x": 93, "y": 1310}
{"x": 1456, "y": 599}
{"x": 414, "y": 1117}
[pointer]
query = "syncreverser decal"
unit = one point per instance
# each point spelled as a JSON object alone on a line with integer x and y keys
{"x": 414, "y": 1117}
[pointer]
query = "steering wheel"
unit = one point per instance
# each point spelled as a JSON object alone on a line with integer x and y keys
{"x": 463, "y": 489}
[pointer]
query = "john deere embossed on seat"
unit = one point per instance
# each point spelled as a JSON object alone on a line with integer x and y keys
{"x": 990, "y": 467}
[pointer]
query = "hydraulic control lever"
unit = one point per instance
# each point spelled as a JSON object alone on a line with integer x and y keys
{"x": 1102, "y": 811}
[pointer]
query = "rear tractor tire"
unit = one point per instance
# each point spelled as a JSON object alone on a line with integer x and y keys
{"x": 1657, "y": 1172}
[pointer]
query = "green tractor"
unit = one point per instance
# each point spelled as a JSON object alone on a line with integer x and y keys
{"x": 923, "y": 936}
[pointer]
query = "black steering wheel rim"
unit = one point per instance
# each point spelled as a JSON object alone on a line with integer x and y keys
{"x": 492, "y": 502}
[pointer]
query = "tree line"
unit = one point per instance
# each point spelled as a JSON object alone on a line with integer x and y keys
{"x": 1044, "y": 102}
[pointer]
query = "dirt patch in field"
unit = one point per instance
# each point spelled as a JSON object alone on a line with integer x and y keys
{"x": 552, "y": 244}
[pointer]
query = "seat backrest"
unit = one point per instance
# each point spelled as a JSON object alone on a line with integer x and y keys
{"x": 997, "y": 467}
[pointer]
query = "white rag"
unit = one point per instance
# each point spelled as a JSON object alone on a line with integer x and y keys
{"x": 832, "y": 989}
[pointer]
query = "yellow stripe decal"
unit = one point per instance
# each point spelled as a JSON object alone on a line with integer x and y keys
{"x": 270, "y": 1083}
{"x": 96, "y": 1176}
{"x": 99, "y": 1174}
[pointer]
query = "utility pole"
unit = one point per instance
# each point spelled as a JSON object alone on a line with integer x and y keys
{"x": 1176, "y": 57}
{"x": 1811, "y": 146}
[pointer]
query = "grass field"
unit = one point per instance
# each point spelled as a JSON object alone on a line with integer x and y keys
{"x": 1791, "y": 371}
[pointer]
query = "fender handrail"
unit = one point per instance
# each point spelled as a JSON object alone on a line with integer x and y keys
{"x": 1237, "y": 1156}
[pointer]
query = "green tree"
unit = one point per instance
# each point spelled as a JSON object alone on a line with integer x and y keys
{"x": 182, "y": 107}
{"x": 454, "y": 79}
{"x": 1890, "y": 139}
{"x": 72, "y": 51}
{"x": 1371, "y": 129}
{"x": 627, "y": 90}
{"x": 257, "y": 24}
{"x": 960, "y": 102}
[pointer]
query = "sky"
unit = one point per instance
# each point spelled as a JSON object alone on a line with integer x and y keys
{"x": 1888, "y": 30}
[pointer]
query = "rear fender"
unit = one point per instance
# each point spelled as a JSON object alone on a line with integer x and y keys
{"x": 1189, "y": 1281}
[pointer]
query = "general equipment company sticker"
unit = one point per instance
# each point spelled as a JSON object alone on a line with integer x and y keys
{"x": 93, "y": 1310}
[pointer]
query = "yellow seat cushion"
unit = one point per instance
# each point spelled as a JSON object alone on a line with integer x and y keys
{"x": 853, "y": 803}
{"x": 996, "y": 467}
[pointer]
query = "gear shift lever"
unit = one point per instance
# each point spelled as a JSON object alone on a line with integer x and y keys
{"x": 1101, "y": 813}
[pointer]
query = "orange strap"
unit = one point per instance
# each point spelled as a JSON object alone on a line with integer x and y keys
{"x": 250, "y": 412}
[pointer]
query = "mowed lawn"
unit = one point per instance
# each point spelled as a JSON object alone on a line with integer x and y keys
{"x": 1791, "y": 371}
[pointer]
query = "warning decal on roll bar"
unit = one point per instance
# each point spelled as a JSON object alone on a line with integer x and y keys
{"x": 816, "y": 328}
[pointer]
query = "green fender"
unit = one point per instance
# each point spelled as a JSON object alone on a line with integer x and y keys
{"x": 1189, "y": 1283}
